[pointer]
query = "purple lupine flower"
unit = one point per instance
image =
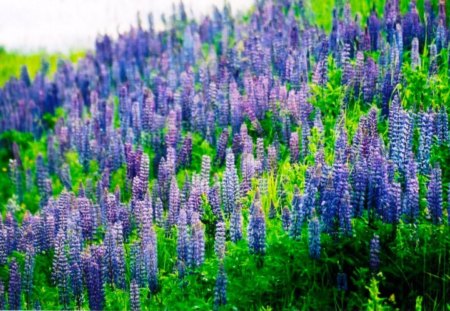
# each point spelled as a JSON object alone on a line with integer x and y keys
{"x": 111, "y": 208}
{"x": 347, "y": 67}
{"x": 294, "y": 147}
{"x": 2, "y": 296}
{"x": 15, "y": 286}
{"x": 220, "y": 290}
{"x": 60, "y": 269}
{"x": 374, "y": 261}
{"x": 411, "y": 195}
{"x": 119, "y": 256}
{"x": 236, "y": 145}
{"x": 377, "y": 181}
{"x": 3, "y": 244}
{"x": 248, "y": 167}
{"x": 204, "y": 173}
{"x": 143, "y": 175}
{"x": 158, "y": 212}
{"x": 12, "y": 230}
{"x": 344, "y": 208}
{"x": 369, "y": 86}
{"x": 65, "y": 177}
{"x": 411, "y": 24}
{"x": 286, "y": 218}
{"x": 272, "y": 158}
{"x": 314, "y": 238}
{"x": 257, "y": 229}
{"x": 164, "y": 177}
{"x": 230, "y": 184}
{"x": 94, "y": 280}
{"x": 236, "y": 224}
{"x": 87, "y": 217}
{"x": 442, "y": 126}
{"x": 197, "y": 251}
{"x": 150, "y": 261}
{"x": 182, "y": 243}
{"x": 76, "y": 282}
{"x": 135, "y": 303}
{"x": 441, "y": 36}
{"x": 425, "y": 141}
{"x": 219, "y": 242}
{"x": 393, "y": 203}
{"x": 109, "y": 244}
{"x": 296, "y": 217}
{"x": 374, "y": 25}
{"x": 27, "y": 281}
{"x": 137, "y": 267}
{"x": 214, "y": 200}
{"x": 400, "y": 124}
{"x": 434, "y": 195}
{"x": 359, "y": 178}
{"x": 222, "y": 150}
{"x": 174, "y": 202}
{"x": 185, "y": 154}
{"x": 344, "y": 213}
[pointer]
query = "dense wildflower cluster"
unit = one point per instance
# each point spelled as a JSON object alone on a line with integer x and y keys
{"x": 190, "y": 136}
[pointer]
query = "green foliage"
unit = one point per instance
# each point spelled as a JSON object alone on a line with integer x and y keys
{"x": 12, "y": 62}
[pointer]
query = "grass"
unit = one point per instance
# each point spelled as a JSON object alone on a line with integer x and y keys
{"x": 12, "y": 61}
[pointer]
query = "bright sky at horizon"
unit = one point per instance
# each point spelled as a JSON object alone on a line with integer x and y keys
{"x": 66, "y": 25}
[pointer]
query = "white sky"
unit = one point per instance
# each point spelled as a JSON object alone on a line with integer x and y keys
{"x": 65, "y": 25}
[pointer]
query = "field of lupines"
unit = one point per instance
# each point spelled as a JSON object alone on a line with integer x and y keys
{"x": 258, "y": 162}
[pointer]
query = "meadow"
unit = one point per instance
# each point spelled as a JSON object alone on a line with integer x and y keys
{"x": 294, "y": 157}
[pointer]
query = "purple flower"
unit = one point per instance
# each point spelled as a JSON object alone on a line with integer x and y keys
{"x": 15, "y": 286}
{"x": 236, "y": 224}
{"x": 297, "y": 216}
{"x": 174, "y": 202}
{"x": 222, "y": 147}
{"x": 374, "y": 262}
{"x": 93, "y": 276}
{"x": 220, "y": 238}
{"x": 214, "y": 200}
{"x": 393, "y": 203}
{"x": 286, "y": 218}
{"x": 257, "y": 229}
{"x": 442, "y": 126}
{"x": 2, "y": 296}
{"x": 27, "y": 281}
{"x": 76, "y": 280}
{"x": 134, "y": 296}
{"x": 434, "y": 195}
{"x": 374, "y": 25}
{"x": 314, "y": 238}
{"x": 87, "y": 217}
{"x": 220, "y": 290}
{"x": 230, "y": 184}
{"x": 182, "y": 242}
{"x": 411, "y": 194}
{"x": 294, "y": 147}
{"x": 197, "y": 239}
{"x": 185, "y": 154}
{"x": 60, "y": 269}
{"x": 425, "y": 141}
